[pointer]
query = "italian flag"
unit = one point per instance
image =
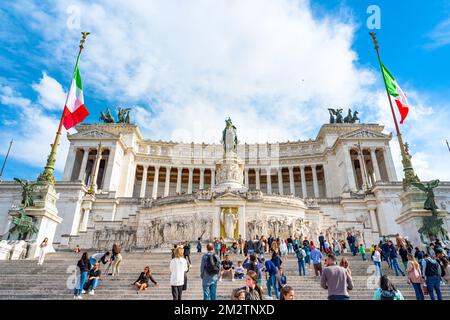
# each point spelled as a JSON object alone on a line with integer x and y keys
{"x": 396, "y": 92}
{"x": 74, "y": 110}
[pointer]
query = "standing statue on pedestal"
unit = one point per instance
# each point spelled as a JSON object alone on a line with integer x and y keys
{"x": 23, "y": 224}
{"x": 27, "y": 192}
{"x": 229, "y": 137}
{"x": 432, "y": 226}
{"x": 229, "y": 221}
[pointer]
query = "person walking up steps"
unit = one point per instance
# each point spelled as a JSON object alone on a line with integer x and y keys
{"x": 271, "y": 278}
{"x": 316, "y": 257}
{"x": 178, "y": 268}
{"x": 336, "y": 280}
{"x": 187, "y": 252}
{"x": 209, "y": 273}
{"x": 377, "y": 261}
{"x": 116, "y": 259}
{"x": 431, "y": 271}
{"x": 415, "y": 276}
{"x": 42, "y": 251}
{"x": 301, "y": 256}
{"x": 362, "y": 250}
{"x": 394, "y": 260}
{"x": 307, "y": 249}
{"x": 199, "y": 245}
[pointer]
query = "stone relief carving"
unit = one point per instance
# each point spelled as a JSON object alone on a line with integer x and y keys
{"x": 125, "y": 236}
{"x": 168, "y": 230}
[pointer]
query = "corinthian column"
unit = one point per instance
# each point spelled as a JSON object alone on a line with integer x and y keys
{"x": 81, "y": 176}
{"x": 202, "y": 178}
{"x": 167, "y": 183}
{"x": 302, "y": 172}
{"x": 269, "y": 181}
{"x": 291, "y": 180}
{"x": 280, "y": 180}
{"x": 191, "y": 172}
{"x": 155, "y": 183}
{"x": 144, "y": 182}
{"x": 213, "y": 178}
{"x": 315, "y": 184}
{"x": 179, "y": 172}
{"x": 246, "y": 177}
{"x": 258, "y": 184}
{"x": 349, "y": 168}
{"x": 376, "y": 169}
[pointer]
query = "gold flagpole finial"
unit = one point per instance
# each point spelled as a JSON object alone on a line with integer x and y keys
{"x": 83, "y": 39}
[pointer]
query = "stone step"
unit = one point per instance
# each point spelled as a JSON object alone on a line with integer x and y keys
{"x": 25, "y": 280}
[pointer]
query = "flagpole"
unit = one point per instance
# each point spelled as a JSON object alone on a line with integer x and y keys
{"x": 47, "y": 177}
{"x": 410, "y": 176}
{"x": 6, "y": 158}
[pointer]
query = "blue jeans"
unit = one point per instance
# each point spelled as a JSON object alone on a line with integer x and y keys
{"x": 78, "y": 289}
{"x": 338, "y": 297}
{"x": 322, "y": 246}
{"x": 434, "y": 283}
{"x": 378, "y": 271}
{"x": 418, "y": 290}
{"x": 272, "y": 282}
{"x": 209, "y": 290}
{"x": 363, "y": 256}
{"x": 388, "y": 260}
{"x": 301, "y": 266}
{"x": 396, "y": 267}
{"x": 290, "y": 247}
{"x": 308, "y": 260}
{"x": 94, "y": 284}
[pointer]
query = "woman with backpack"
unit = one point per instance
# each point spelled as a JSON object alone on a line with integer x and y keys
{"x": 415, "y": 276}
{"x": 387, "y": 290}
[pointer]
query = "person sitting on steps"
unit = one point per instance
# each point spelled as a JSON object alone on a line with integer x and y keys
{"x": 142, "y": 282}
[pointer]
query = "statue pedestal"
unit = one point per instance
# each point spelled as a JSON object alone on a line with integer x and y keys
{"x": 5, "y": 250}
{"x": 412, "y": 214}
{"x": 230, "y": 174}
{"x": 45, "y": 217}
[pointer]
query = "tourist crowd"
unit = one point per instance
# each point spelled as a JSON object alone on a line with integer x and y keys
{"x": 259, "y": 262}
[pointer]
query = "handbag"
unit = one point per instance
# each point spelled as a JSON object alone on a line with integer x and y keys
{"x": 425, "y": 290}
{"x": 185, "y": 282}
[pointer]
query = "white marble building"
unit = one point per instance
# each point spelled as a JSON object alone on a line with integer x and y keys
{"x": 151, "y": 193}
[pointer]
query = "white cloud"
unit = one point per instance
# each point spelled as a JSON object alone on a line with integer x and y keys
{"x": 270, "y": 65}
{"x": 51, "y": 93}
{"x": 9, "y": 97}
{"x": 255, "y": 61}
{"x": 440, "y": 36}
{"x": 36, "y": 131}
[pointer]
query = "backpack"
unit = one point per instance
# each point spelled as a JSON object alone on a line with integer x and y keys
{"x": 387, "y": 295}
{"x": 212, "y": 265}
{"x": 431, "y": 268}
{"x": 300, "y": 256}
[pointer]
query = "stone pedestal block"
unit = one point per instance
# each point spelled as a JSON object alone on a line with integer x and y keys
{"x": 412, "y": 214}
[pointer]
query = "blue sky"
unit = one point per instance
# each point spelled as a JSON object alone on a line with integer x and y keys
{"x": 274, "y": 67}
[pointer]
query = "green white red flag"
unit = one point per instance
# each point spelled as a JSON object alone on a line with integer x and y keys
{"x": 396, "y": 92}
{"x": 74, "y": 110}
